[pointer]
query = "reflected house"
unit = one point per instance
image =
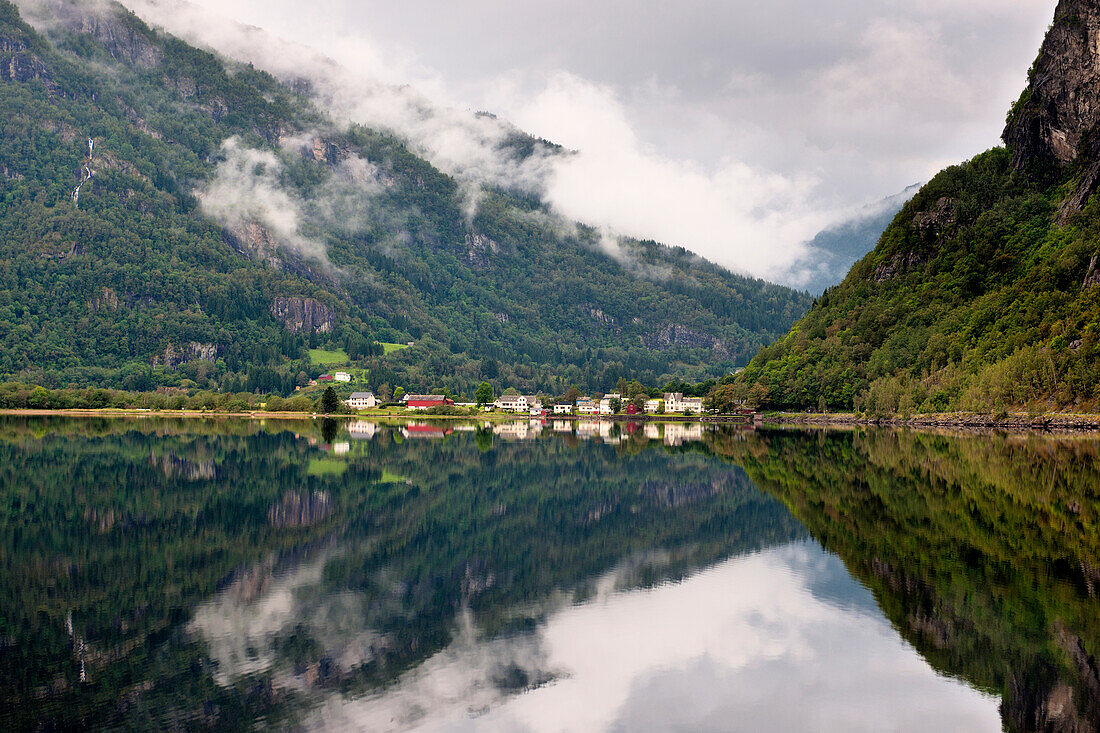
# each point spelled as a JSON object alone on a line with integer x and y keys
{"x": 425, "y": 430}
{"x": 677, "y": 433}
{"x": 563, "y": 426}
{"x": 362, "y": 429}
{"x": 587, "y": 428}
{"x": 341, "y": 449}
{"x": 652, "y": 431}
{"x": 519, "y": 430}
{"x": 608, "y": 433}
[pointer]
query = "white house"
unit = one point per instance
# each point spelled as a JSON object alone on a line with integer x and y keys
{"x": 563, "y": 409}
{"x": 605, "y": 403}
{"x": 361, "y": 401}
{"x": 342, "y": 377}
{"x": 587, "y": 407}
{"x": 676, "y": 402}
{"x": 533, "y": 403}
{"x": 512, "y": 403}
{"x": 651, "y": 406}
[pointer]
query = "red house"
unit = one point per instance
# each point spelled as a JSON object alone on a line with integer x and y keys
{"x": 632, "y": 409}
{"x": 324, "y": 378}
{"x": 425, "y": 401}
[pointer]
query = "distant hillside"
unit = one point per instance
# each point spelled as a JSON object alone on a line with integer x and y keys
{"x": 171, "y": 218}
{"x": 982, "y": 294}
{"x": 840, "y": 246}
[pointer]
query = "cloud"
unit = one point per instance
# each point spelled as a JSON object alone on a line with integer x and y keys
{"x": 246, "y": 191}
{"x": 735, "y": 130}
{"x": 693, "y": 655}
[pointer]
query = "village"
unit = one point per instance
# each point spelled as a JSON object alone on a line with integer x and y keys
{"x": 671, "y": 403}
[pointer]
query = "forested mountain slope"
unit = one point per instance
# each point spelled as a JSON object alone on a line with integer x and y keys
{"x": 982, "y": 294}
{"x": 168, "y": 215}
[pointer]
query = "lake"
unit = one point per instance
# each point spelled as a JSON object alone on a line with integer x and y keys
{"x": 545, "y": 576}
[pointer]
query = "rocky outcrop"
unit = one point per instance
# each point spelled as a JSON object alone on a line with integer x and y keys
{"x": 105, "y": 299}
{"x": 479, "y": 248}
{"x": 899, "y": 264}
{"x": 194, "y": 351}
{"x": 1056, "y": 117}
{"x": 17, "y": 64}
{"x": 119, "y": 32}
{"x": 934, "y": 223}
{"x": 1092, "y": 277}
{"x": 602, "y": 318}
{"x": 252, "y": 239}
{"x": 678, "y": 335}
{"x": 303, "y": 314}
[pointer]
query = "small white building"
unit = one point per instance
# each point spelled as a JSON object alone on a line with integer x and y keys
{"x": 587, "y": 407}
{"x": 651, "y": 406}
{"x": 563, "y": 409}
{"x": 605, "y": 403}
{"x": 361, "y": 401}
{"x": 695, "y": 404}
{"x": 342, "y": 377}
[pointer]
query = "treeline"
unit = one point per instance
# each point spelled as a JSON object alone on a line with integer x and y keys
{"x": 18, "y": 396}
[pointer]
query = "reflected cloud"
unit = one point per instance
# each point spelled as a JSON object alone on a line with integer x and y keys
{"x": 721, "y": 649}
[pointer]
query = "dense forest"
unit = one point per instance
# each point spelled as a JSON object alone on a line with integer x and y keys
{"x": 982, "y": 294}
{"x": 173, "y": 219}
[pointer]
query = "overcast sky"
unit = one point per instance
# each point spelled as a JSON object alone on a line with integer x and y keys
{"x": 737, "y": 128}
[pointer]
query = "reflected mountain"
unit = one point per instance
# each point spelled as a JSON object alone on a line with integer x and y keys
{"x": 218, "y": 573}
{"x": 982, "y": 550}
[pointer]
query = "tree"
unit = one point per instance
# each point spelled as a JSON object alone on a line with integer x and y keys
{"x": 484, "y": 394}
{"x": 616, "y": 405}
{"x": 330, "y": 403}
{"x": 724, "y": 398}
{"x": 398, "y": 393}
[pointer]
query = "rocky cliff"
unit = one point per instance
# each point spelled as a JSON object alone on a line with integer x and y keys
{"x": 303, "y": 314}
{"x": 1052, "y": 125}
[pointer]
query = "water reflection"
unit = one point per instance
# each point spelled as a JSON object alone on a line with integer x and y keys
{"x": 781, "y": 640}
{"x": 542, "y": 574}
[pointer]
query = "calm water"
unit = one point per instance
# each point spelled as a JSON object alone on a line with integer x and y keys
{"x": 544, "y": 577}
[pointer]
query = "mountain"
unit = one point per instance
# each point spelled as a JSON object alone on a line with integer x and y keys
{"x": 171, "y": 218}
{"x": 840, "y": 246}
{"x": 981, "y": 294}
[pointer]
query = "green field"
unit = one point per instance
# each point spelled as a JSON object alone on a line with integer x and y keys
{"x": 390, "y": 348}
{"x": 321, "y": 356}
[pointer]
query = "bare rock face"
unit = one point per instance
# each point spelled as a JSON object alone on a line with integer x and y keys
{"x": 900, "y": 263}
{"x": 1059, "y": 111}
{"x": 17, "y": 64}
{"x": 194, "y": 351}
{"x": 253, "y": 240}
{"x": 676, "y": 334}
{"x": 112, "y": 27}
{"x": 479, "y": 249}
{"x": 1093, "y": 276}
{"x": 932, "y": 224}
{"x": 303, "y": 314}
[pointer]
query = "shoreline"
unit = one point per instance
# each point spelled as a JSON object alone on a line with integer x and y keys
{"x": 1019, "y": 421}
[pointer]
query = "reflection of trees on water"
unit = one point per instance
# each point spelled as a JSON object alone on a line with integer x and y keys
{"x": 220, "y": 596}
{"x": 982, "y": 550}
